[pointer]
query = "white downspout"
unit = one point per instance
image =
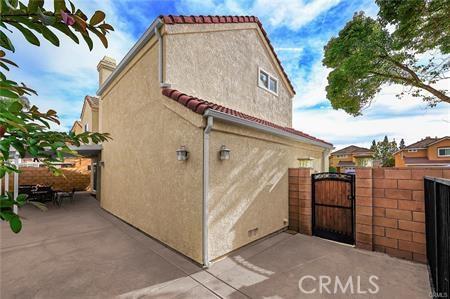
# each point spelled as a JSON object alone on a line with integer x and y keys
{"x": 205, "y": 207}
{"x": 325, "y": 155}
{"x": 160, "y": 56}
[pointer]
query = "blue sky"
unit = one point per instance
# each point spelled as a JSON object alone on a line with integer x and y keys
{"x": 298, "y": 30}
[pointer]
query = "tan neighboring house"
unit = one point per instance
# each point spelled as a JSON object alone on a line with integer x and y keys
{"x": 200, "y": 112}
{"x": 428, "y": 152}
{"x": 345, "y": 160}
{"x": 89, "y": 121}
{"x": 89, "y": 118}
{"x": 77, "y": 127}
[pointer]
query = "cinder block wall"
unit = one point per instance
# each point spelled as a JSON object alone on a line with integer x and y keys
{"x": 73, "y": 178}
{"x": 300, "y": 200}
{"x": 389, "y": 208}
{"x": 397, "y": 210}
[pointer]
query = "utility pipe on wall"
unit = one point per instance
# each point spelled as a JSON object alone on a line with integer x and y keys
{"x": 205, "y": 213}
{"x": 160, "y": 55}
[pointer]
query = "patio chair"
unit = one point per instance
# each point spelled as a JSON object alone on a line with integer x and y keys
{"x": 61, "y": 195}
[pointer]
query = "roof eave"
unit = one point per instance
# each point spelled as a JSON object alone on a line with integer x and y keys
{"x": 260, "y": 127}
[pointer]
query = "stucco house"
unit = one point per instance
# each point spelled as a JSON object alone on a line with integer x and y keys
{"x": 89, "y": 121}
{"x": 200, "y": 112}
{"x": 428, "y": 152}
{"x": 346, "y": 159}
{"x": 89, "y": 116}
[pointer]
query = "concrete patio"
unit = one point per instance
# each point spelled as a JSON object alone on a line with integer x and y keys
{"x": 80, "y": 251}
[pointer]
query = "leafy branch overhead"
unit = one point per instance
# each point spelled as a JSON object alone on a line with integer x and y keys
{"x": 408, "y": 44}
{"x": 33, "y": 19}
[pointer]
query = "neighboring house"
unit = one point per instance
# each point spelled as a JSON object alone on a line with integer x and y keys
{"x": 88, "y": 122}
{"x": 77, "y": 127}
{"x": 89, "y": 118}
{"x": 345, "y": 160}
{"x": 200, "y": 112}
{"x": 428, "y": 152}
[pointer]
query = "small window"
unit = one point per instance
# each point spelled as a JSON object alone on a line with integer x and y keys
{"x": 268, "y": 82}
{"x": 264, "y": 79}
{"x": 273, "y": 85}
{"x": 412, "y": 151}
{"x": 86, "y": 127}
{"x": 444, "y": 152}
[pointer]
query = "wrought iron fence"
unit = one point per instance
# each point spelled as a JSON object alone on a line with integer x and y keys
{"x": 437, "y": 214}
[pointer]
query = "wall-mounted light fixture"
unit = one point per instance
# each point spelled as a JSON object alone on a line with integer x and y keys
{"x": 224, "y": 153}
{"x": 306, "y": 162}
{"x": 182, "y": 153}
{"x": 101, "y": 163}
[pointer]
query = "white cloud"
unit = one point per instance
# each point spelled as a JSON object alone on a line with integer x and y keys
{"x": 311, "y": 89}
{"x": 293, "y": 14}
{"x": 408, "y": 118}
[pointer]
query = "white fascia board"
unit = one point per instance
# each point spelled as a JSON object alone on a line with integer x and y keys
{"x": 271, "y": 130}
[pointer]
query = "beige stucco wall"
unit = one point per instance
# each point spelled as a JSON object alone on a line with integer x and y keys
{"x": 251, "y": 189}
{"x": 218, "y": 63}
{"x": 432, "y": 150}
{"x": 89, "y": 116}
{"x": 142, "y": 181}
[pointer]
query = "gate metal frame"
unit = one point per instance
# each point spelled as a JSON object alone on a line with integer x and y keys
{"x": 333, "y": 176}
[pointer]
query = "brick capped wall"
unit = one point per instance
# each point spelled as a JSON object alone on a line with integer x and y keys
{"x": 300, "y": 200}
{"x": 391, "y": 202}
{"x": 389, "y": 208}
{"x": 73, "y": 178}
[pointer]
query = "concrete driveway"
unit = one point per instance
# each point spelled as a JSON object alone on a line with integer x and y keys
{"x": 81, "y": 251}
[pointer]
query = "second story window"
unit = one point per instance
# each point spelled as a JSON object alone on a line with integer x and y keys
{"x": 86, "y": 127}
{"x": 412, "y": 151}
{"x": 444, "y": 152}
{"x": 268, "y": 82}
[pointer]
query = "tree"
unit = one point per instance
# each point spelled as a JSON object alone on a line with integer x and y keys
{"x": 25, "y": 129}
{"x": 373, "y": 146}
{"x": 402, "y": 144}
{"x": 407, "y": 44}
{"x": 384, "y": 152}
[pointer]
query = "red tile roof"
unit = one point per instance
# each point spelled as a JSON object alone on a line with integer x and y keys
{"x": 93, "y": 101}
{"x": 200, "y": 106}
{"x": 171, "y": 19}
{"x": 420, "y": 160}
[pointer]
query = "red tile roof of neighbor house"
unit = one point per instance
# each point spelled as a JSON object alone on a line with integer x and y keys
{"x": 93, "y": 101}
{"x": 420, "y": 160}
{"x": 200, "y": 106}
{"x": 355, "y": 150}
{"x": 424, "y": 143}
{"x": 171, "y": 20}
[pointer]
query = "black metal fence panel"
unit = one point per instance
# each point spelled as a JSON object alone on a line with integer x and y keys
{"x": 437, "y": 218}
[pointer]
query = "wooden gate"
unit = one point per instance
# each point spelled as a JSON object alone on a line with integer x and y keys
{"x": 333, "y": 197}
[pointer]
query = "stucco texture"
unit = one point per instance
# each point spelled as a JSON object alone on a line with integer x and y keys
{"x": 142, "y": 181}
{"x": 250, "y": 191}
{"x": 220, "y": 62}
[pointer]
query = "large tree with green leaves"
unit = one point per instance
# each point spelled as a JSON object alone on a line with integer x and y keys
{"x": 384, "y": 151}
{"x": 25, "y": 129}
{"x": 407, "y": 44}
